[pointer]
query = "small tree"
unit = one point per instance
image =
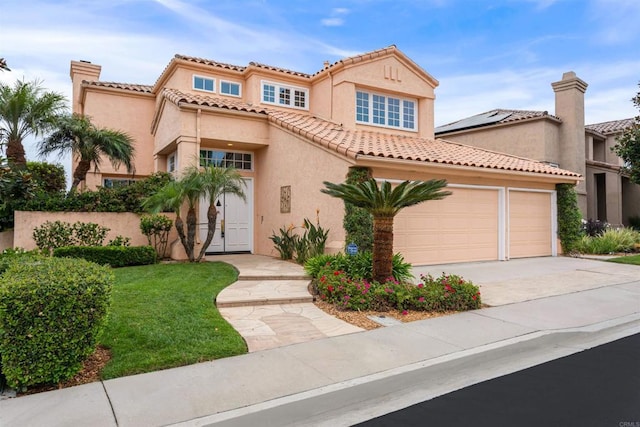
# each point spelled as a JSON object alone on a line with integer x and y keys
{"x": 628, "y": 145}
{"x": 384, "y": 203}
{"x": 156, "y": 227}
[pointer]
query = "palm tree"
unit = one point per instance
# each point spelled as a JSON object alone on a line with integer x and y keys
{"x": 26, "y": 109}
{"x": 3, "y": 65}
{"x": 210, "y": 182}
{"x": 384, "y": 203}
{"x": 76, "y": 133}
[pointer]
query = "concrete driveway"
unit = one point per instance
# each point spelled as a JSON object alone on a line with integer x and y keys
{"x": 518, "y": 280}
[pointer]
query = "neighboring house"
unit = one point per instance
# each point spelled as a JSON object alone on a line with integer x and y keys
{"x": 560, "y": 140}
{"x": 288, "y": 131}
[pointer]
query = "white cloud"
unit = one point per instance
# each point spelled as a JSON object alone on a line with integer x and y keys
{"x": 332, "y": 22}
{"x": 336, "y": 17}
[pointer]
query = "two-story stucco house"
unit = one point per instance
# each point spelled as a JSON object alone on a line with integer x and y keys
{"x": 561, "y": 140}
{"x": 288, "y": 131}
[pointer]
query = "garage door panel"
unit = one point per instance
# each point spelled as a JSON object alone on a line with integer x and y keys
{"x": 461, "y": 227}
{"x": 529, "y": 224}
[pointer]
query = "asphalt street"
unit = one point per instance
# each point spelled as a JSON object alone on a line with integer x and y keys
{"x": 597, "y": 387}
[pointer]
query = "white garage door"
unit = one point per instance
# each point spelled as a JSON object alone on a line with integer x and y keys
{"x": 530, "y": 222}
{"x": 461, "y": 227}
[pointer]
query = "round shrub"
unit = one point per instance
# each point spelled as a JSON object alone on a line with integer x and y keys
{"x": 52, "y": 311}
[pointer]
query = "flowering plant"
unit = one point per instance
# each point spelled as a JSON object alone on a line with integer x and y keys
{"x": 447, "y": 292}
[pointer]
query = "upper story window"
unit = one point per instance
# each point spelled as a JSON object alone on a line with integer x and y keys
{"x": 387, "y": 111}
{"x": 204, "y": 83}
{"x": 289, "y": 96}
{"x": 226, "y": 159}
{"x": 230, "y": 88}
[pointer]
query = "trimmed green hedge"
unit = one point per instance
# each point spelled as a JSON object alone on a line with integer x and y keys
{"x": 51, "y": 314}
{"x": 115, "y": 256}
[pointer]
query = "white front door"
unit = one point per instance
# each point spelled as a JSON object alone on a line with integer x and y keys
{"x": 234, "y": 225}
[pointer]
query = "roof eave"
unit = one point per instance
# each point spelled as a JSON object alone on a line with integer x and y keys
{"x": 373, "y": 161}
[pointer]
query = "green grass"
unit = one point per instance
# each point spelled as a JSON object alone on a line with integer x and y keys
{"x": 631, "y": 259}
{"x": 163, "y": 316}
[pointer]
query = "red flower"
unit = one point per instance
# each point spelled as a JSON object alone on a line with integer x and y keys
{"x": 330, "y": 288}
{"x": 323, "y": 279}
{"x": 421, "y": 285}
{"x": 336, "y": 273}
{"x": 405, "y": 312}
{"x": 474, "y": 297}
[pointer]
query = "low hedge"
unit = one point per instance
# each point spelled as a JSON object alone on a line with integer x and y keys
{"x": 115, "y": 256}
{"x": 51, "y": 314}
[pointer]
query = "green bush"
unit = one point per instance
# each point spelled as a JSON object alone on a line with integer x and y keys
{"x": 156, "y": 227}
{"x": 8, "y": 256}
{"x": 569, "y": 217}
{"x": 285, "y": 243}
{"x": 47, "y": 177}
{"x": 121, "y": 199}
{"x": 358, "y": 266}
{"x": 358, "y": 222}
{"x": 611, "y": 240}
{"x": 115, "y": 256}
{"x": 51, "y": 314}
{"x": 445, "y": 293}
{"x": 51, "y": 235}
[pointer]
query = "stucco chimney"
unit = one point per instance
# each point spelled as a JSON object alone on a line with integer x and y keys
{"x": 79, "y": 71}
{"x": 570, "y": 109}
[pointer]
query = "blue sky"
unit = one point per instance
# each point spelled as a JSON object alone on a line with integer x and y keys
{"x": 485, "y": 54}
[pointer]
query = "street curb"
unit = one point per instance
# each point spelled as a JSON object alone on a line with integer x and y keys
{"x": 363, "y": 398}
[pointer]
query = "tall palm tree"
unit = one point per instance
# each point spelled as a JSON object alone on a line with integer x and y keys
{"x": 384, "y": 203}
{"x": 210, "y": 182}
{"x": 76, "y": 134}
{"x": 26, "y": 109}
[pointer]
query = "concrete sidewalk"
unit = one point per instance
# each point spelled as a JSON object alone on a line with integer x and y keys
{"x": 345, "y": 379}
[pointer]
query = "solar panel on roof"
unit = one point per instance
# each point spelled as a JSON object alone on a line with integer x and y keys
{"x": 472, "y": 122}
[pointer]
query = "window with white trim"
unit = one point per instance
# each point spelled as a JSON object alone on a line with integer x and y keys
{"x": 288, "y": 96}
{"x": 384, "y": 110}
{"x": 206, "y": 84}
{"x": 230, "y": 88}
{"x": 226, "y": 159}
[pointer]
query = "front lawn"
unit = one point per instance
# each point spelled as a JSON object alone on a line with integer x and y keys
{"x": 163, "y": 316}
{"x": 632, "y": 259}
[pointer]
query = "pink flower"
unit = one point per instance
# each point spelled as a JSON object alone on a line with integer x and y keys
{"x": 421, "y": 299}
{"x": 405, "y": 312}
{"x": 420, "y": 285}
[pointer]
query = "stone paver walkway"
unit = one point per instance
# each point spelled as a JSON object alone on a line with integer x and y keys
{"x": 270, "y": 305}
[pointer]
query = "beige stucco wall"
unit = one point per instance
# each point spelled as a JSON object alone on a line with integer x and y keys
{"x": 6, "y": 240}
{"x": 533, "y": 140}
{"x": 124, "y": 224}
{"x": 123, "y": 111}
{"x": 286, "y": 162}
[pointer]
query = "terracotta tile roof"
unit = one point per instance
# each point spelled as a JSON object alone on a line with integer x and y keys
{"x": 493, "y": 117}
{"x": 116, "y": 85}
{"x": 280, "y": 70}
{"x": 356, "y": 144}
{"x": 210, "y": 62}
{"x": 177, "y": 97}
{"x": 613, "y": 126}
